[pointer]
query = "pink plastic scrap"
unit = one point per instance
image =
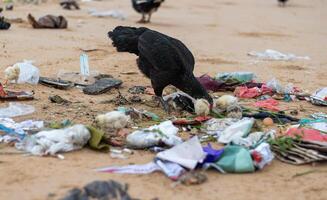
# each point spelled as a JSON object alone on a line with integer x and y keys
{"x": 307, "y": 134}
{"x": 245, "y": 92}
{"x": 269, "y": 104}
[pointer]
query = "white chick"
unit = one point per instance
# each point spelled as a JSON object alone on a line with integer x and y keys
{"x": 225, "y": 101}
{"x": 12, "y": 74}
{"x": 113, "y": 120}
{"x": 202, "y": 107}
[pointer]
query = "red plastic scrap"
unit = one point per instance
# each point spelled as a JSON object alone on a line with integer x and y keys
{"x": 196, "y": 121}
{"x": 307, "y": 134}
{"x": 269, "y": 104}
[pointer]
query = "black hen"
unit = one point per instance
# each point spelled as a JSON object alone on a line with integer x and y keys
{"x": 163, "y": 59}
{"x": 146, "y": 7}
{"x": 282, "y": 2}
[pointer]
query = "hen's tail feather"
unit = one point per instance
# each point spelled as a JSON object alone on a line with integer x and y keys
{"x": 125, "y": 39}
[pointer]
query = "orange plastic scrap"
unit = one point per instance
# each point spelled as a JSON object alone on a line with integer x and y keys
{"x": 269, "y": 104}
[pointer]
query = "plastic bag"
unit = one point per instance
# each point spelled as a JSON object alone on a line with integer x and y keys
{"x": 236, "y": 130}
{"x": 269, "y": 104}
{"x": 235, "y": 159}
{"x": 152, "y": 136}
{"x": 55, "y": 141}
{"x": 28, "y": 73}
{"x": 240, "y": 76}
{"x": 16, "y": 109}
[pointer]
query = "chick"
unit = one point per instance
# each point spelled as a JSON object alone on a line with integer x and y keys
{"x": 225, "y": 101}
{"x": 202, "y": 107}
{"x": 112, "y": 121}
{"x": 12, "y": 74}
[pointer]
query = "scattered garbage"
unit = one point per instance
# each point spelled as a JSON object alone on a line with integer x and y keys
{"x": 262, "y": 155}
{"x": 269, "y": 104}
{"x": 100, "y": 190}
{"x": 277, "y": 117}
{"x": 246, "y": 92}
{"x": 117, "y": 14}
{"x": 319, "y": 97}
{"x": 55, "y": 83}
{"x": 6, "y": 95}
{"x": 235, "y": 159}
{"x": 16, "y": 109}
{"x": 48, "y": 21}
{"x": 55, "y": 141}
{"x": 172, "y": 170}
{"x": 59, "y": 100}
{"x": 4, "y": 25}
{"x": 102, "y": 86}
{"x": 137, "y": 90}
{"x": 242, "y": 77}
{"x": 187, "y": 154}
{"x": 270, "y": 54}
{"x": 298, "y": 151}
{"x": 164, "y": 133}
{"x": 237, "y": 130}
{"x": 13, "y": 131}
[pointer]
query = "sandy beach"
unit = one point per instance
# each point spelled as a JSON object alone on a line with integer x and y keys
{"x": 219, "y": 33}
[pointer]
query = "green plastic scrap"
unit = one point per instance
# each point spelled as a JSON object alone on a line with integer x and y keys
{"x": 235, "y": 159}
{"x": 96, "y": 139}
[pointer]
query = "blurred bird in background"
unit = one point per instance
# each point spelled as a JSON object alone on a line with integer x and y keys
{"x": 282, "y": 3}
{"x": 146, "y": 7}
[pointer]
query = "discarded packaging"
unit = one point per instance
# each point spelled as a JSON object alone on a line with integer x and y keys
{"x": 163, "y": 133}
{"x": 235, "y": 159}
{"x": 270, "y": 54}
{"x": 55, "y": 141}
{"x": 117, "y": 14}
{"x": 187, "y": 154}
{"x": 237, "y": 130}
{"x": 319, "y": 97}
{"x": 262, "y": 155}
{"x": 242, "y": 77}
{"x": 48, "y": 21}
{"x": 16, "y": 109}
{"x": 102, "y": 86}
{"x": 269, "y": 104}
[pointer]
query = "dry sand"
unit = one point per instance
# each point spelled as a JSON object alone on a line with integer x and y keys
{"x": 219, "y": 33}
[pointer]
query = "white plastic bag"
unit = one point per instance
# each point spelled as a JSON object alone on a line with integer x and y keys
{"x": 16, "y": 109}
{"x": 152, "y": 136}
{"x": 56, "y": 141}
{"x": 28, "y": 73}
{"x": 237, "y": 130}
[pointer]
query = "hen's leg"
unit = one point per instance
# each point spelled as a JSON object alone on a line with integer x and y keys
{"x": 149, "y": 18}
{"x": 158, "y": 88}
{"x": 142, "y": 20}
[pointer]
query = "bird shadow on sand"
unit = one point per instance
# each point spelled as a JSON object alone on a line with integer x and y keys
{"x": 158, "y": 24}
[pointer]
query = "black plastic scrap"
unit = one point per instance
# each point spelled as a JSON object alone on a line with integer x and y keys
{"x": 102, "y": 86}
{"x": 100, "y": 190}
{"x": 277, "y": 117}
{"x": 4, "y": 25}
